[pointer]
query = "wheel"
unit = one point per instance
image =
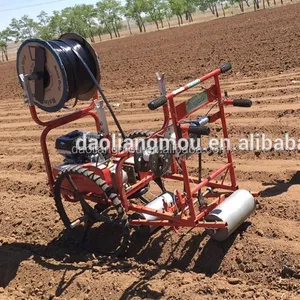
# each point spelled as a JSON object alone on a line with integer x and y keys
{"x": 72, "y": 189}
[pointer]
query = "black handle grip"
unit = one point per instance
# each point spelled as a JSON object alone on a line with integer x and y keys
{"x": 199, "y": 130}
{"x": 156, "y": 103}
{"x": 226, "y": 67}
{"x": 242, "y": 103}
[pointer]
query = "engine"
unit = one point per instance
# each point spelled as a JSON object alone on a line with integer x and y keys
{"x": 82, "y": 147}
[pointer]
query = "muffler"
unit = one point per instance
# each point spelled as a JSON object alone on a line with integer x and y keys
{"x": 234, "y": 210}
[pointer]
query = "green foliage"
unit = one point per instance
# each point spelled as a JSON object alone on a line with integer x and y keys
{"x": 56, "y": 24}
{"x": 189, "y": 6}
{"x": 4, "y": 39}
{"x": 107, "y": 16}
{"x": 156, "y": 10}
{"x": 44, "y": 30}
{"x": 22, "y": 29}
{"x": 86, "y": 15}
{"x": 72, "y": 20}
{"x": 136, "y": 9}
{"x": 177, "y": 7}
{"x": 203, "y": 5}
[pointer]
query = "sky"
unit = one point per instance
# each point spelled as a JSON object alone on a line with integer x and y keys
{"x": 17, "y": 8}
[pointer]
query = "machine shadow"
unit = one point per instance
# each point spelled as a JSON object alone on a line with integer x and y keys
{"x": 13, "y": 254}
{"x": 280, "y": 186}
{"x": 198, "y": 253}
{"x": 213, "y": 253}
{"x": 163, "y": 251}
{"x": 207, "y": 262}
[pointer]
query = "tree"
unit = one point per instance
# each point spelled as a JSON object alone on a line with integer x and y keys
{"x": 128, "y": 17}
{"x": 156, "y": 10}
{"x": 56, "y": 24}
{"x": 72, "y": 21}
{"x": 128, "y": 23}
{"x": 109, "y": 13}
{"x": 4, "y": 39}
{"x": 189, "y": 7}
{"x": 44, "y": 30}
{"x": 104, "y": 20}
{"x": 178, "y": 9}
{"x": 216, "y": 9}
{"x": 256, "y": 4}
{"x": 87, "y": 14}
{"x": 136, "y": 9}
{"x": 98, "y": 30}
{"x": 240, "y": 3}
{"x": 165, "y": 12}
{"x": 168, "y": 13}
{"x": 203, "y": 5}
{"x": 223, "y": 9}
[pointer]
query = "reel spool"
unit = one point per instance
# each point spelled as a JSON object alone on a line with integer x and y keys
{"x": 55, "y": 72}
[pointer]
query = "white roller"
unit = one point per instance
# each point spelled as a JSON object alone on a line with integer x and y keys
{"x": 234, "y": 210}
{"x": 158, "y": 204}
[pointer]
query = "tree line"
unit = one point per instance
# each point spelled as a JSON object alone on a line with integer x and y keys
{"x": 110, "y": 16}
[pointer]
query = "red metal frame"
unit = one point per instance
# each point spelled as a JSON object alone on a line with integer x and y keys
{"x": 188, "y": 214}
{"x": 50, "y": 125}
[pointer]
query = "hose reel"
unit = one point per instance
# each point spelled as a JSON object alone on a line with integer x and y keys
{"x": 56, "y": 74}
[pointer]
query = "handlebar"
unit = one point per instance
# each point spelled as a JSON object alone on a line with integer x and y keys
{"x": 161, "y": 100}
{"x": 242, "y": 103}
{"x": 226, "y": 67}
{"x": 239, "y": 102}
{"x": 199, "y": 130}
{"x": 157, "y": 102}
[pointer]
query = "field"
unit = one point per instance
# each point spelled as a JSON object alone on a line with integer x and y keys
{"x": 37, "y": 262}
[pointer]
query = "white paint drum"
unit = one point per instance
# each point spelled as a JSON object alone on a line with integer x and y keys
{"x": 234, "y": 210}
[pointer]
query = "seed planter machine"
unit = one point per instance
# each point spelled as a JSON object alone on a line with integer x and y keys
{"x": 110, "y": 190}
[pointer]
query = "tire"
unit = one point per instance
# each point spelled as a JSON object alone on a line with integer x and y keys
{"x": 95, "y": 214}
{"x": 138, "y": 134}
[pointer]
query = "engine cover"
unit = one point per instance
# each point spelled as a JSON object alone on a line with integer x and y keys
{"x": 81, "y": 146}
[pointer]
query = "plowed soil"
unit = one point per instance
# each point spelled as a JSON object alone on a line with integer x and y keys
{"x": 260, "y": 261}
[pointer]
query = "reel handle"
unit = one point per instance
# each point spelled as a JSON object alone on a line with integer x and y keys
{"x": 199, "y": 130}
{"x": 157, "y": 102}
